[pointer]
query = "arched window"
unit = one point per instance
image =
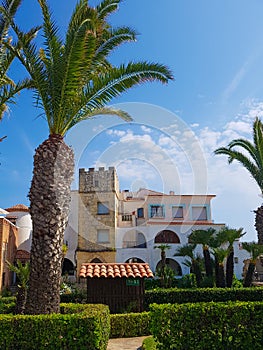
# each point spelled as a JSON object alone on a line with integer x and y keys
{"x": 96, "y": 260}
{"x": 166, "y": 236}
{"x": 134, "y": 239}
{"x": 134, "y": 260}
{"x": 173, "y": 264}
{"x": 68, "y": 267}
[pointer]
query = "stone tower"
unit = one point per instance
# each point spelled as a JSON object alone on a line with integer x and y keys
{"x": 98, "y": 211}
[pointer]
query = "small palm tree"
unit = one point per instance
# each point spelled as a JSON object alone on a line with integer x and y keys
{"x": 255, "y": 251}
{"x": 187, "y": 250}
{"x": 22, "y": 273}
{"x": 163, "y": 248}
{"x": 204, "y": 238}
{"x": 252, "y": 161}
{"x": 74, "y": 81}
{"x": 220, "y": 255}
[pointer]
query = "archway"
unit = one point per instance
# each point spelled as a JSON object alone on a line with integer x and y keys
{"x": 167, "y": 236}
{"x": 173, "y": 264}
{"x": 68, "y": 267}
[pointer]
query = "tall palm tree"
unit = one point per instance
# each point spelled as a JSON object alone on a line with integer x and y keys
{"x": 163, "y": 248}
{"x": 74, "y": 81}
{"x": 204, "y": 238}
{"x": 255, "y": 251}
{"x": 220, "y": 255}
{"x": 252, "y": 160}
{"x": 187, "y": 250}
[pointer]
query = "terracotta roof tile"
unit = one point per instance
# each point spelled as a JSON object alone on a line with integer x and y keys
{"x": 114, "y": 270}
{"x": 18, "y": 207}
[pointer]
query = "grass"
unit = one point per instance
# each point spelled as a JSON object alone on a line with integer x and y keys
{"x": 148, "y": 344}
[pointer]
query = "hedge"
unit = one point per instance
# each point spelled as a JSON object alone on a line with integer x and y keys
{"x": 130, "y": 325}
{"x": 77, "y": 327}
{"x": 213, "y": 326}
{"x": 180, "y": 296}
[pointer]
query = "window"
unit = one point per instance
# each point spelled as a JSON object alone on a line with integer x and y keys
{"x": 103, "y": 236}
{"x": 140, "y": 213}
{"x": 157, "y": 211}
{"x": 177, "y": 212}
{"x": 103, "y": 208}
{"x": 199, "y": 213}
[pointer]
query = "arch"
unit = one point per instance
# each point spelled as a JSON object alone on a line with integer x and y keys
{"x": 68, "y": 267}
{"x": 96, "y": 260}
{"x": 134, "y": 260}
{"x": 173, "y": 264}
{"x": 167, "y": 236}
{"x": 134, "y": 239}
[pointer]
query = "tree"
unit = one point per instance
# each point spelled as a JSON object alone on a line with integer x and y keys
{"x": 74, "y": 81}
{"x": 22, "y": 273}
{"x": 188, "y": 251}
{"x": 252, "y": 160}
{"x": 220, "y": 254}
{"x": 255, "y": 251}
{"x": 163, "y": 248}
{"x": 204, "y": 237}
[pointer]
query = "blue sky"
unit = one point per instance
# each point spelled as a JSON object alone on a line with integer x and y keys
{"x": 215, "y": 50}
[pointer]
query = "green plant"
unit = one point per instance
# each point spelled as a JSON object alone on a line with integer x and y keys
{"x": 149, "y": 344}
{"x": 218, "y": 326}
{"x": 187, "y": 281}
{"x": 130, "y": 325}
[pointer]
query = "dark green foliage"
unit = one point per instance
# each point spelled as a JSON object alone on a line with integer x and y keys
{"x": 188, "y": 281}
{"x": 179, "y": 296}
{"x": 78, "y": 327}
{"x": 77, "y": 296}
{"x": 213, "y": 326}
{"x": 149, "y": 344}
{"x": 130, "y": 325}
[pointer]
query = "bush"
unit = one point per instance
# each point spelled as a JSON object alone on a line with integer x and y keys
{"x": 220, "y": 326}
{"x": 179, "y": 296}
{"x": 187, "y": 281}
{"x": 76, "y": 296}
{"x": 130, "y": 325}
{"x": 77, "y": 327}
{"x": 149, "y": 344}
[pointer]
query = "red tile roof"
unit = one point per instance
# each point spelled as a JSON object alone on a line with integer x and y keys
{"x": 22, "y": 255}
{"x": 18, "y": 207}
{"x": 115, "y": 270}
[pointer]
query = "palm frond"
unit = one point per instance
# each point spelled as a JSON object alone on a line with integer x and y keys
{"x": 107, "y": 7}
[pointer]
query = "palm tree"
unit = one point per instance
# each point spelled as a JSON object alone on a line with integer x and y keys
{"x": 188, "y": 251}
{"x": 252, "y": 161}
{"x": 204, "y": 237}
{"x": 255, "y": 251}
{"x": 220, "y": 254}
{"x": 163, "y": 248}
{"x": 74, "y": 81}
{"x": 22, "y": 273}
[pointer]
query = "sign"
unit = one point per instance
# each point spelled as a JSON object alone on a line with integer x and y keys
{"x": 132, "y": 282}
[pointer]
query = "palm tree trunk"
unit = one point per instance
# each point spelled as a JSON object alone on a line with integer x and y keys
{"x": 208, "y": 263}
{"x": 230, "y": 269}
{"x": 221, "y": 276}
{"x": 197, "y": 272}
{"x": 49, "y": 207}
{"x": 259, "y": 223}
{"x": 249, "y": 275}
{"x": 21, "y": 301}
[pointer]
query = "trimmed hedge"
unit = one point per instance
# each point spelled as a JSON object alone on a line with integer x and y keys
{"x": 213, "y": 326}
{"x": 180, "y": 296}
{"x": 77, "y": 327}
{"x": 130, "y": 325}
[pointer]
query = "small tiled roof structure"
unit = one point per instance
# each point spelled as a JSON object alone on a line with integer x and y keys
{"x": 22, "y": 255}
{"x": 113, "y": 270}
{"x": 18, "y": 207}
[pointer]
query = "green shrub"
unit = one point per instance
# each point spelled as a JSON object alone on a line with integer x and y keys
{"x": 77, "y": 296}
{"x": 187, "y": 281}
{"x": 179, "y": 296}
{"x": 149, "y": 344}
{"x": 130, "y": 325}
{"x": 77, "y": 327}
{"x": 7, "y": 300}
{"x": 215, "y": 326}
